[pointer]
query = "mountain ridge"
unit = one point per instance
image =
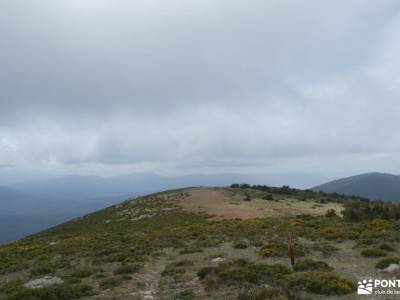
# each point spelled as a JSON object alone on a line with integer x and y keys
{"x": 372, "y": 185}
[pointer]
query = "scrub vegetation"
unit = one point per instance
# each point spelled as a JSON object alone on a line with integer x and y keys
{"x": 209, "y": 243}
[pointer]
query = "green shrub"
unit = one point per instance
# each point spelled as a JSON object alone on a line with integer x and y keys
{"x": 374, "y": 252}
{"x": 247, "y": 198}
{"x": 203, "y": 272}
{"x": 72, "y": 280}
{"x": 324, "y": 248}
{"x": 11, "y": 286}
{"x": 312, "y": 265}
{"x": 125, "y": 277}
{"x": 107, "y": 283}
{"x": 386, "y": 262}
{"x": 268, "y": 197}
{"x": 338, "y": 233}
{"x": 127, "y": 269}
{"x": 191, "y": 250}
{"x": 241, "y": 272}
{"x": 42, "y": 257}
{"x": 323, "y": 283}
{"x": 242, "y": 244}
{"x": 43, "y": 269}
{"x": 83, "y": 273}
{"x": 176, "y": 268}
{"x": 330, "y": 213}
{"x": 185, "y": 295}
{"x": 117, "y": 257}
{"x": 61, "y": 292}
{"x": 274, "y": 249}
{"x": 386, "y": 247}
{"x": 278, "y": 249}
{"x": 262, "y": 294}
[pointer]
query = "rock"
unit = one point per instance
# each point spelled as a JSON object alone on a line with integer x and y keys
{"x": 144, "y": 216}
{"x": 148, "y": 295}
{"x": 52, "y": 243}
{"x": 392, "y": 268}
{"x": 43, "y": 282}
{"x": 217, "y": 259}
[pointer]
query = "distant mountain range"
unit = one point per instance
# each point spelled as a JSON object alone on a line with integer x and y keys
{"x": 374, "y": 186}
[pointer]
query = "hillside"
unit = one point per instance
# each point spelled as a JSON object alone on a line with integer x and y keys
{"x": 29, "y": 206}
{"x": 205, "y": 243}
{"x": 374, "y": 186}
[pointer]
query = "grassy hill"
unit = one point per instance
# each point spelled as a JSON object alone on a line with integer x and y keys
{"x": 209, "y": 243}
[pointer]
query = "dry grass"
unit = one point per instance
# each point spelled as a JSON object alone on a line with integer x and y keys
{"x": 221, "y": 204}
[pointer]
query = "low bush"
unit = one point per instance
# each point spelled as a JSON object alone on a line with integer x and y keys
{"x": 117, "y": 257}
{"x": 61, "y": 292}
{"x": 262, "y": 294}
{"x": 176, "y": 268}
{"x": 374, "y": 252}
{"x": 185, "y": 295}
{"x": 279, "y": 249}
{"x": 324, "y": 248}
{"x": 125, "y": 277}
{"x": 386, "y": 262}
{"x": 256, "y": 242}
{"x": 242, "y": 273}
{"x": 10, "y": 286}
{"x": 268, "y": 197}
{"x": 83, "y": 273}
{"x": 191, "y": 250}
{"x": 323, "y": 283}
{"x": 330, "y": 213}
{"x": 386, "y": 247}
{"x": 247, "y": 198}
{"x": 42, "y": 269}
{"x": 242, "y": 244}
{"x": 127, "y": 269}
{"x": 312, "y": 265}
{"x": 108, "y": 283}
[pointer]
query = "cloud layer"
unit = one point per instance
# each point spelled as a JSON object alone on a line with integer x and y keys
{"x": 172, "y": 86}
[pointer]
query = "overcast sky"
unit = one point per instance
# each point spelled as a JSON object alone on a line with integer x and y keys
{"x": 201, "y": 86}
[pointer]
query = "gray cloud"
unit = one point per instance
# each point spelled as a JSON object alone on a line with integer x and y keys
{"x": 185, "y": 86}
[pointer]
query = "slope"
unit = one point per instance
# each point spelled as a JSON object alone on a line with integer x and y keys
{"x": 202, "y": 243}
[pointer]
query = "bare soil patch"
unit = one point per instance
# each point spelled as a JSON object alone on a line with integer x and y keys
{"x": 225, "y": 204}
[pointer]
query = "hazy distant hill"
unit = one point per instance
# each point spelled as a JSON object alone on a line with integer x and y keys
{"x": 88, "y": 187}
{"x": 24, "y": 212}
{"x": 371, "y": 185}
